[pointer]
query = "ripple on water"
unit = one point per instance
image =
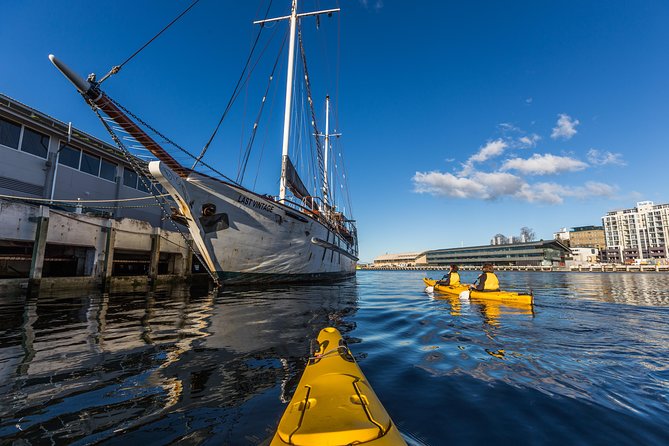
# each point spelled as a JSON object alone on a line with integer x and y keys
{"x": 587, "y": 364}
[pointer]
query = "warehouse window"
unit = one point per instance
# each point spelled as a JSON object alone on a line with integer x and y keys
{"x": 9, "y": 133}
{"x": 90, "y": 164}
{"x": 35, "y": 142}
{"x": 107, "y": 170}
{"x": 69, "y": 156}
{"x": 130, "y": 178}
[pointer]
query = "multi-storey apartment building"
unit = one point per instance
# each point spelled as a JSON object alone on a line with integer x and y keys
{"x": 640, "y": 233}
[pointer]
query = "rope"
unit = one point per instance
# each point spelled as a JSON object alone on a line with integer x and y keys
{"x": 133, "y": 162}
{"x": 235, "y": 92}
{"x": 81, "y": 201}
{"x": 166, "y": 139}
{"x": 247, "y": 153}
{"x": 327, "y": 353}
{"x": 307, "y": 82}
{"x": 117, "y": 68}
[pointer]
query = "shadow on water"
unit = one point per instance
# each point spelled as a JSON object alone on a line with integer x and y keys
{"x": 161, "y": 367}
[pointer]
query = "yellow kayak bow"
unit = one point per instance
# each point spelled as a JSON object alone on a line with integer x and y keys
{"x": 334, "y": 404}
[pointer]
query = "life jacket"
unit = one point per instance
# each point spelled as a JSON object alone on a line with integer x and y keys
{"x": 490, "y": 282}
{"x": 454, "y": 278}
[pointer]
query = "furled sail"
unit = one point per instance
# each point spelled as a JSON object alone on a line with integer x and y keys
{"x": 294, "y": 182}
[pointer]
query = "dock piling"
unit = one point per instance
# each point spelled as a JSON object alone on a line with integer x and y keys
{"x": 39, "y": 246}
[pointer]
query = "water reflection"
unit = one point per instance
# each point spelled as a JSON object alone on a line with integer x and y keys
{"x": 648, "y": 289}
{"x": 493, "y": 311}
{"x": 86, "y": 369}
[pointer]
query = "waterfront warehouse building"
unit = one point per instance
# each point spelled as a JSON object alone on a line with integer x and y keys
{"x": 117, "y": 229}
{"x": 637, "y": 234}
{"x": 44, "y": 158}
{"x": 537, "y": 253}
{"x": 399, "y": 260}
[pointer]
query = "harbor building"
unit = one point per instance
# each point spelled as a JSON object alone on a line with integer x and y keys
{"x": 537, "y": 253}
{"x": 563, "y": 236}
{"x": 587, "y": 237}
{"x": 72, "y": 206}
{"x": 399, "y": 260}
{"x": 638, "y": 234}
{"x": 583, "y": 256}
{"x": 45, "y": 158}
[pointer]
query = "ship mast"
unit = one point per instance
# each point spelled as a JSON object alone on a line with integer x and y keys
{"x": 326, "y": 136}
{"x": 289, "y": 85}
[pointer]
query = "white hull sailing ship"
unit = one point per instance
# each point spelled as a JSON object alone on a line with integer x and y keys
{"x": 243, "y": 236}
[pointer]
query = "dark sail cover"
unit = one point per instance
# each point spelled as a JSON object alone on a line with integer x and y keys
{"x": 294, "y": 182}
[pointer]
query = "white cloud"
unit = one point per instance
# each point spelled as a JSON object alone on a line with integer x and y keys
{"x": 490, "y": 150}
{"x": 550, "y": 193}
{"x": 508, "y": 127}
{"x": 446, "y": 184}
{"x": 543, "y": 164}
{"x": 553, "y": 193}
{"x": 566, "y": 127}
{"x": 485, "y": 186}
{"x": 601, "y": 158}
{"x": 490, "y": 186}
{"x": 529, "y": 140}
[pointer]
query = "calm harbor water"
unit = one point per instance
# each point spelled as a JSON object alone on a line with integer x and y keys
{"x": 587, "y": 364}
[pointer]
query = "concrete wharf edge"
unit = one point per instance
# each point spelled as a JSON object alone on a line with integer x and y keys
{"x": 92, "y": 241}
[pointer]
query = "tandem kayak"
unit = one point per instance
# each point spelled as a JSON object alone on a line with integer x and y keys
{"x": 503, "y": 297}
{"x": 453, "y": 290}
{"x": 509, "y": 297}
{"x": 334, "y": 404}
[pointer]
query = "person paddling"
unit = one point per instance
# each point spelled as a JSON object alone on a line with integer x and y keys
{"x": 487, "y": 280}
{"x": 452, "y": 278}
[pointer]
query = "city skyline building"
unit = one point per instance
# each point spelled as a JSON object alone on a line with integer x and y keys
{"x": 637, "y": 234}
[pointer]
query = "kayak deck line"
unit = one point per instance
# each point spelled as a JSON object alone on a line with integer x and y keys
{"x": 334, "y": 403}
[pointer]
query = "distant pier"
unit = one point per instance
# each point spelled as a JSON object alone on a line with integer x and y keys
{"x": 608, "y": 268}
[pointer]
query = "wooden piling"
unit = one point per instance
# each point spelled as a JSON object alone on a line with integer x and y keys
{"x": 39, "y": 247}
{"x": 155, "y": 254}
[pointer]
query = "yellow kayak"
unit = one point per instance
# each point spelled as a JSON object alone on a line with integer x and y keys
{"x": 503, "y": 297}
{"x": 453, "y": 290}
{"x": 509, "y": 297}
{"x": 334, "y": 404}
{"x": 429, "y": 282}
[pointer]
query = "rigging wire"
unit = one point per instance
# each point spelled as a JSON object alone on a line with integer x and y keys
{"x": 235, "y": 92}
{"x": 307, "y": 82}
{"x": 247, "y": 153}
{"x": 167, "y": 140}
{"x": 117, "y": 68}
{"x": 264, "y": 142}
{"x": 152, "y": 188}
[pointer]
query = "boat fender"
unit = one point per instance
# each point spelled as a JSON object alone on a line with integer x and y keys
{"x": 464, "y": 295}
{"x": 429, "y": 289}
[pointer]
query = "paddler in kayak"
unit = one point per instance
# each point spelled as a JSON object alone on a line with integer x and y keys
{"x": 486, "y": 281}
{"x": 452, "y": 278}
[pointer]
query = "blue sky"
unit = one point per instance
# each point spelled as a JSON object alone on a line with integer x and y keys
{"x": 460, "y": 120}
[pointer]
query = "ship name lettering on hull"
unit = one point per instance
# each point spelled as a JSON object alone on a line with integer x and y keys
{"x": 254, "y": 203}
